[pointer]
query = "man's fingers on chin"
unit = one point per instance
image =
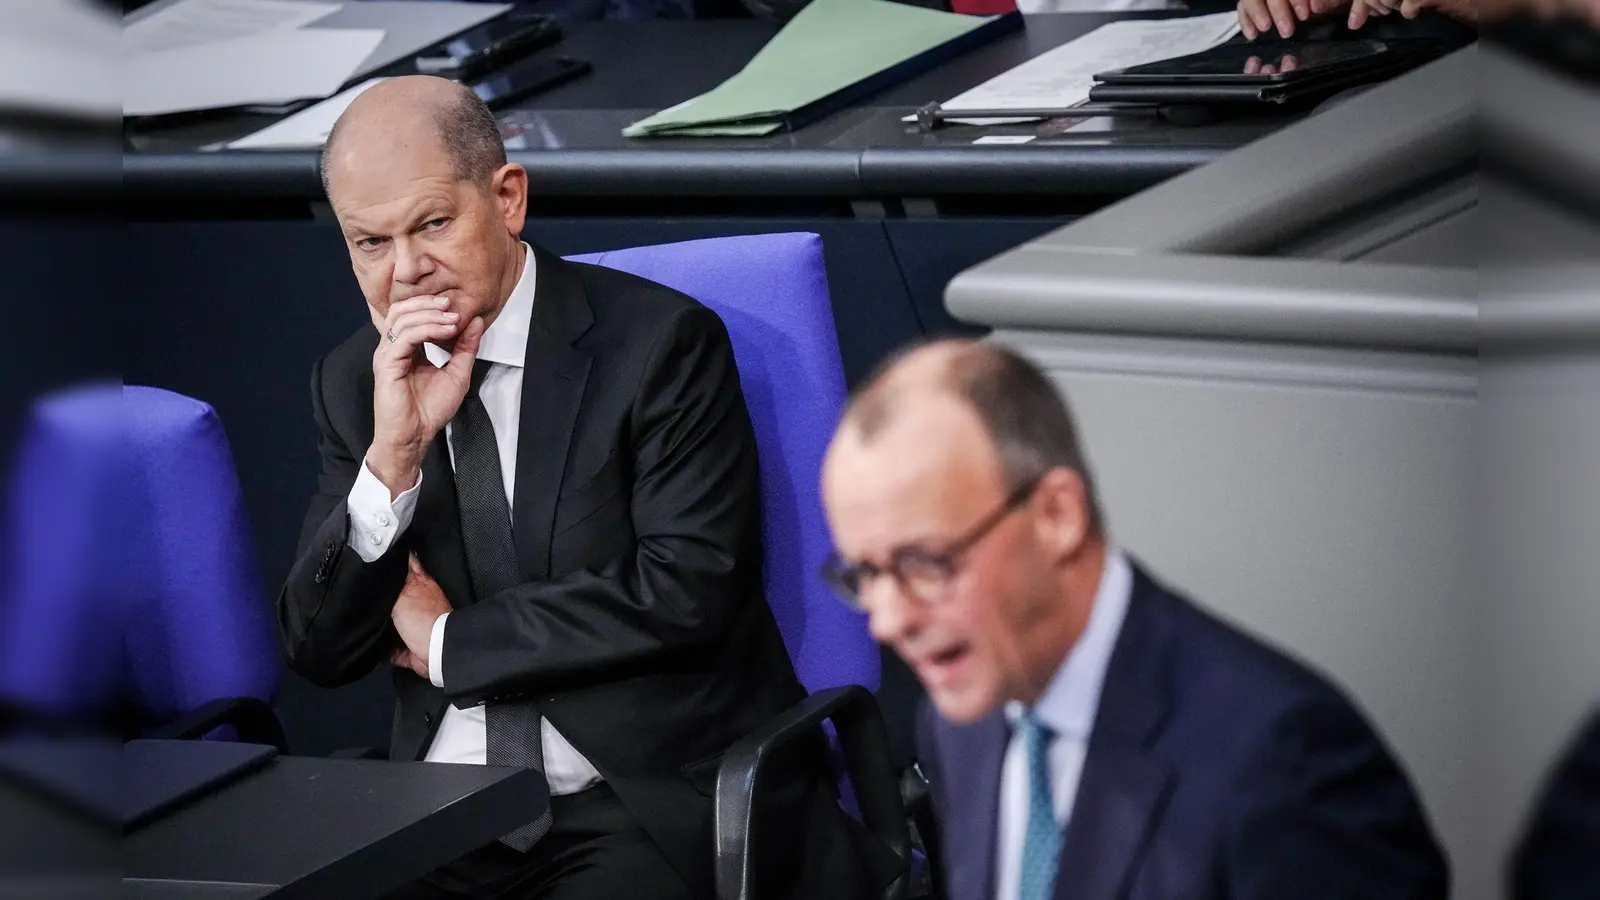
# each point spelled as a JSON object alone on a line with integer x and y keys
{"x": 471, "y": 332}
{"x": 408, "y": 342}
{"x": 412, "y": 304}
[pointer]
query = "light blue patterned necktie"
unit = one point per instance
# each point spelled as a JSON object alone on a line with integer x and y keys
{"x": 1041, "y": 843}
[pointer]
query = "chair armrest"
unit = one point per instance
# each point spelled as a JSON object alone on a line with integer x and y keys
{"x": 865, "y": 743}
{"x": 252, "y": 719}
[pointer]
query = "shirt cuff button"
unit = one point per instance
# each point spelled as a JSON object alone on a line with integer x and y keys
{"x": 377, "y": 539}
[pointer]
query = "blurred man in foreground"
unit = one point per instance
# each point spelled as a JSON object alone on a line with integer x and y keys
{"x": 1097, "y": 736}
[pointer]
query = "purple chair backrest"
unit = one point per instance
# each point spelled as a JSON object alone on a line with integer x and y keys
{"x": 134, "y": 576}
{"x": 771, "y": 291}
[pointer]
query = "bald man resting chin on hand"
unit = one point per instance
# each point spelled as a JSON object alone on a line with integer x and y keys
{"x": 1093, "y": 735}
{"x": 538, "y": 506}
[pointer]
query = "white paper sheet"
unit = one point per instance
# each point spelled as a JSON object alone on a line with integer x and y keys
{"x": 194, "y": 22}
{"x": 306, "y": 129}
{"x": 1063, "y": 76}
{"x": 272, "y": 67}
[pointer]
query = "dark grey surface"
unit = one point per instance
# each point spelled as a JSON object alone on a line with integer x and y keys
{"x": 572, "y": 144}
{"x": 58, "y": 837}
{"x": 45, "y": 841}
{"x": 147, "y": 889}
{"x": 165, "y": 774}
{"x": 319, "y": 828}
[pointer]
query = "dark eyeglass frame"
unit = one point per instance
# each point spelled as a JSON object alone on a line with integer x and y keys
{"x": 934, "y": 569}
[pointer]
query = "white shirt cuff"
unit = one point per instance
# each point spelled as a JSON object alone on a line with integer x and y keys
{"x": 436, "y": 652}
{"x": 375, "y": 522}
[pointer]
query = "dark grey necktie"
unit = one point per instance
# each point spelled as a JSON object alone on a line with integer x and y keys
{"x": 514, "y": 737}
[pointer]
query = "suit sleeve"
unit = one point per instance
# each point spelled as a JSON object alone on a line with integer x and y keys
{"x": 1328, "y": 813}
{"x": 696, "y": 518}
{"x": 333, "y": 611}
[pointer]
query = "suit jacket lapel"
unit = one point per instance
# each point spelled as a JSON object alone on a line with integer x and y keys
{"x": 971, "y": 763}
{"x": 554, "y": 376}
{"x": 1124, "y": 785}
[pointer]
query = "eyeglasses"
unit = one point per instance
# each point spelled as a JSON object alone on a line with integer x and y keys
{"x": 921, "y": 573}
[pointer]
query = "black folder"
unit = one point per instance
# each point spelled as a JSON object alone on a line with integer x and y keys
{"x": 1219, "y": 77}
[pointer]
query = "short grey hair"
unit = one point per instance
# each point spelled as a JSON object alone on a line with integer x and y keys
{"x": 467, "y": 129}
{"x": 1026, "y": 418}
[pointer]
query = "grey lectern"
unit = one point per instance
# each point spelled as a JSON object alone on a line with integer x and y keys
{"x": 1274, "y": 359}
{"x": 1539, "y": 423}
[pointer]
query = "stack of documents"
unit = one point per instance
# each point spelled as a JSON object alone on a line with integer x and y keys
{"x": 830, "y": 47}
{"x": 209, "y": 54}
{"x": 1063, "y": 76}
{"x": 307, "y": 129}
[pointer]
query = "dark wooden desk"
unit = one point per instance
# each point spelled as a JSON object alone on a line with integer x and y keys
{"x": 311, "y": 828}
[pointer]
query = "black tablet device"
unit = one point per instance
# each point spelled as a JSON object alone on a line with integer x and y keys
{"x": 523, "y": 79}
{"x": 491, "y": 44}
{"x": 1264, "y": 62}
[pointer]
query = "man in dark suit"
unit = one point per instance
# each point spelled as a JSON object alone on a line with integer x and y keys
{"x": 1098, "y": 737}
{"x": 538, "y": 503}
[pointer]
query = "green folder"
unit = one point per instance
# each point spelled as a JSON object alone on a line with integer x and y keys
{"x": 830, "y": 48}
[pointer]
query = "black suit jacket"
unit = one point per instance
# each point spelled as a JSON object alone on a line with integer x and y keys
{"x": 640, "y": 631}
{"x": 1218, "y": 769}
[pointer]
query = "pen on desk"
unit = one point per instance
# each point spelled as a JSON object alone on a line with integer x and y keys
{"x": 929, "y": 117}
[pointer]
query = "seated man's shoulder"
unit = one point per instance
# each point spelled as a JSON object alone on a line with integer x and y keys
{"x": 624, "y": 301}
{"x": 352, "y": 358}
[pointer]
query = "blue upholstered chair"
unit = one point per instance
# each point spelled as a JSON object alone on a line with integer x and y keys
{"x": 772, "y": 293}
{"x": 132, "y": 582}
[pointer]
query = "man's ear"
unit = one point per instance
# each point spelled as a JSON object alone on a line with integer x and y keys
{"x": 509, "y": 189}
{"x": 1063, "y": 519}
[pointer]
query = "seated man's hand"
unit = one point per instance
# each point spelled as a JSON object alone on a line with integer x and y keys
{"x": 420, "y": 604}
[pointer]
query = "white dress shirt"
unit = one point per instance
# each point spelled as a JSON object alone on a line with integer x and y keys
{"x": 1067, "y": 707}
{"x": 375, "y": 523}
